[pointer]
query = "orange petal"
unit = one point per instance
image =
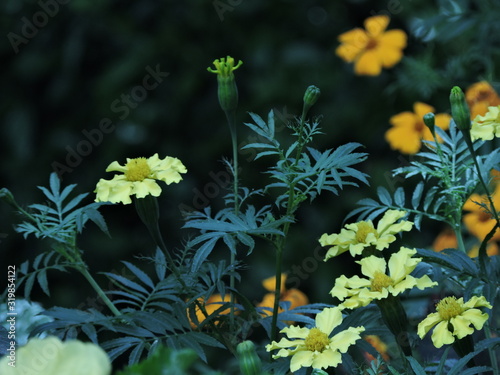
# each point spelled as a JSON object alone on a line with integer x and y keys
{"x": 421, "y": 109}
{"x": 404, "y": 119}
{"x": 394, "y": 38}
{"x": 443, "y": 120}
{"x": 389, "y": 56}
{"x": 376, "y": 25}
{"x": 403, "y": 139}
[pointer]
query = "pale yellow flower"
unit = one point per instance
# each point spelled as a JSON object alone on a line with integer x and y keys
{"x": 453, "y": 319}
{"x": 357, "y": 236}
{"x": 378, "y": 284}
{"x": 314, "y": 347}
{"x": 138, "y": 178}
{"x": 51, "y": 356}
{"x": 486, "y": 127}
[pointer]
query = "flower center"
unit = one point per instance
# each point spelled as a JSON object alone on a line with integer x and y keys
{"x": 364, "y": 228}
{"x": 448, "y": 308}
{"x": 316, "y": 340}
{"x": 137, "y": 169}
{"x": 372, "y": 43}
{"x": 380, "y": 281}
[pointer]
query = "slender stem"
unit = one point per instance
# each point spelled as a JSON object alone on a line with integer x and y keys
{"x": 234, "y": 140}
{"x": 83, "y": 270}
{"x": 491, "y": 351}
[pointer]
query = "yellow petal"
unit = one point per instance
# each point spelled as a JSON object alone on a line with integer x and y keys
{"x": 327, "y": 358}
{"x": 300, "y": 359}
{"x": 342, "y": 340}
{"x": 368, "y": 64}
{"x": 372, "y": 264}
{"x": 461, "y": 326}
{"x": 115, "y": 166}
{"x": 296, "y": 332}
{"x": 441, "y": 335}
{"x": 146, "y": 187}
{"x": 476, "y": 317}
{"x": 421, "y": 109}
{"x": 442, "y": 120}
{"x": 404, "y": 139}
{"x": 328, "y": 319}
{"x": 425, "y": 325}
{"x": 393, "y": 38}
{"x": 376, "y": 25}
{"x": 388, "y": 56}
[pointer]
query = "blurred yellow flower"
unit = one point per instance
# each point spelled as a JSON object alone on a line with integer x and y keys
{"x": 358, "y": 236}
{"x": 314, "y": 347}
{"x": 213, "y": 303}
{"x": 408, "y": 128}
{"x": 478, "y": 222}
{"x": 486, "y": 127}
{"x": 51, "y": 356}
{"x": 445, "y": 240}
{"x": 138, "y": 178}
{"x": 372, "y": 48}
{"x": 453, "y": 319}
{"x": 491, "y": 249}
{"x": 479, "y": 97}
{"x": 293, "y": 295}
{"x": 356, "y": 291}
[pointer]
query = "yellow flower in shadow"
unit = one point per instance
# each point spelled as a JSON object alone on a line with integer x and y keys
{"x": 477, "y": 221}
{"x": 314, "y": 347}
{"x": 293, "y": 295}
{"x": 479, "y": 97}
{"x": 408, "y": 128}
{"x": 453, "y": 319}
{"x": 448, "y": 240}
{"x": 372, "y": 48}
{"x": 211, "y": 305}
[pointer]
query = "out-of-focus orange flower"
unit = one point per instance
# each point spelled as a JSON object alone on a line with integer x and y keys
{"x": 214, "y": 302}
{"x": 408, "y": 128}
{"x": 379, "y": 346}
{"x": 445, "y": 240}
{"x": 372, "y": 48}
{"x": 478, "y": 222}
{"x": 491, "y": 249}
{"x": 479, "y": 97}
{"x": 293, "y": 295}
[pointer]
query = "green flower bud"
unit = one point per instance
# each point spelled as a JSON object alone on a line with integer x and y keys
{"x": 227, "y": 90}
{"x": 250, "y": 363}
{"x": 459, "y": 109}
{"x": 6, "y": 195}
{"x": 311, "y": 95}
{"x": 429, "y": 121}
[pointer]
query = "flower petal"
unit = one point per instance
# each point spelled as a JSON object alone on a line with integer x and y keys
{"x": 426, "y": 325}
{"x": 376, "y": 25}
{"x": 461, "y": 326}
{"x": 342, "y": 340}
{"x": 368, "y": 64}
{"x": 145, "y": 187}
{"x": 393, "y": 38}
{"x": 372, "y": 264}
{"x": 441, "y": 335}
{"x": 328, "y": 319}
{"x": 327, "y": 358}
{"x": 303, "y": 358}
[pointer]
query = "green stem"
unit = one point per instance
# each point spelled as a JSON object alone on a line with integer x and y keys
{"x": 234, "y": 140}
{"x": 83, "y": 270}
{"x": 491, "y": 351}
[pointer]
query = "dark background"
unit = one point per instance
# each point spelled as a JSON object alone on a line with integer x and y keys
{"x": 60, "y": 80}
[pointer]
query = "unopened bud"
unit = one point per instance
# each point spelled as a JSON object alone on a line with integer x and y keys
{"x": 459, "y": 109}
{"x": 250, "y": 363}
{"x": 429, "y": 121}
{"x": 311, "y": 95}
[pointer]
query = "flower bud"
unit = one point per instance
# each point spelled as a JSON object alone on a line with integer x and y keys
{"x": 250, "y": 363}
{"x": 459, "y": 109}
{"x": 311, "y": 95}
{"x": 227, "y": 90}
{"x": 429, "y": 121}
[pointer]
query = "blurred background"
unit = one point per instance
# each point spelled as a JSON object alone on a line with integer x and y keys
{"x": 76, "y": 96}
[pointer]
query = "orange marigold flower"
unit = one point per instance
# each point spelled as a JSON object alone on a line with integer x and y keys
{"x": 479, "y": 97}
{"x": 408, "y": 128}
{"x": 372, "y": 48}
{"x": 491, "y": 249}
{"x": 379, "y": 346}
{"x": 445, "y": 240}
{"x": 214, "y": 302}
{"x": 478, "y": 222}
{"x": 294, "y": 296}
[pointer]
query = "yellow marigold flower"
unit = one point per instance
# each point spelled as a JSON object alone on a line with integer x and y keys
{"x": 138, "y": 178}
{"x": 51, "y": 356}
{"x": 453, "y": 319}
{"x": 356, "y": 291}
{"x": 357, "y": 236}
{"x": 408, "y": 128}
{"x": 225, "y": 66}
{"x": 372, "y": 48}
{"x": 314, "y": 347}
{"x": 479, "y": 97}
{"x": 379, "y": 345}
{"x": 294, "y": 296}
{"x": 478, "y": 222}
{"x": 214, "y": 302}
{"x": 491, "y": 249}
{"x": 488, "y": 126}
